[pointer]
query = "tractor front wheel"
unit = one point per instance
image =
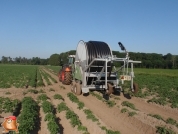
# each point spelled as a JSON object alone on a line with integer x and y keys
{"x": 76, "y": 88}
{"x": 110, "y": 89}
{"x": 135, "y": 88}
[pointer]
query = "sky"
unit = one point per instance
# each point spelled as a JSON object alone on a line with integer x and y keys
{"x": 40, "y": 28}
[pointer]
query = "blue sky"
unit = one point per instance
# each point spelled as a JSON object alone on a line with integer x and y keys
{"x": 39, "y": 28}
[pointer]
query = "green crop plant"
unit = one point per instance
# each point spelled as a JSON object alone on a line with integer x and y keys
{"x": 51, "y": 89}
{"x": 159, "y": 82}
{"x": 29, "y": 117}
{"x": 41, "y": 91}
{"x": 17, "y": 75}
{"x": 128, "y": 104}
{"x": 39, "y": 79}
{"x": 171, "y": 121}
{"x": 62, "y": 87}
{"x": 110, "y": 103}
{"x": 58, "y": 96}
{"x": 132, "y": 113}
{"x": 7, "y": 93}
{"x": 62, "y": 107}
{"x": 80, "y": 105}
{"x": 156, "y": 116}
{"x": 109, "y": 131}
{"x": 74, "y": 119}
{"x": 161, "y": 101}
{"x": 53, "y": 69}
{"x": 7, "y": 105}
{"x": 53, "y": 127}
{"x": 49, "y": 117}
{"x": 90, "y": 115}
{"x": 47, "y": 107}
{"x": 164, "y": 130}
{"x": 116, "y": 98}
{"x": 33, "y": 91}
{"x": 96, "y": 95}
{"x": 45, "y": 77}
{"x": 42, "y": 97}
{"x": 124, "y": 110}
{"x": 74, "y": 98}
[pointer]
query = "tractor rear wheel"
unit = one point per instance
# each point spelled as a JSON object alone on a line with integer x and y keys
{"x": 77, "y": 88}
{"x": 135, "y": 88}
{"x": 110, "y": 89}
{"x": 66, "y": 78}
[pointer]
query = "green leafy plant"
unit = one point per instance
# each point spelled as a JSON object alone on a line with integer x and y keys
{"x": 156, "y": 116}
{"x": 171, "y": 121}
{"x": 161, "y": 101}
{"x": 29, "y": 117}
{"x": 42, "y": 97}
{"x": 109, "y": 131}
{"x": 51, "y": 89}
{"x": 128, "y": 104}
{"x": 58, "y": 96}
{"x": 132, "y": 113}
{"x": 110, "y": 103}
{"x": 74, "y": 119}
{"x": 74, "y": 98}
{"x": 90, "y": 115}
{"x": 49, "y": 117}
{"x": 62, "y": 107}
{"x": 164, "y": 130}
{"x": 53, "y": 127}
{"x": 124, "y": 110}
{"x": 41, "y": 91}
{"x": 7, "y": 93}
{"x": 80, "y": 105}
{"x": 47, "y": 107}
{"x": 33, "y": 91}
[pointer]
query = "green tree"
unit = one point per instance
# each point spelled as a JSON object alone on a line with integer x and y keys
{"x": 54, "y": 60}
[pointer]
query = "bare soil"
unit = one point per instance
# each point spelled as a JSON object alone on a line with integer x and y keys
{"x": 110, "y": 117}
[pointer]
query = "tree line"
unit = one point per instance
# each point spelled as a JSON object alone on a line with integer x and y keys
{"x": 149, "y": 60}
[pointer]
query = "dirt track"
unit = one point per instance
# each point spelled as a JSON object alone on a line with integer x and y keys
{"x": 111, "y": 118}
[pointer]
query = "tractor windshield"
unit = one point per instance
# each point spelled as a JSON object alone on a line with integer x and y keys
{"x": 71, "y": 60}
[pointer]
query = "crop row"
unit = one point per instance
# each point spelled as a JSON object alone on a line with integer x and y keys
{"x": 29, "y": 117}
{"x": 21, "y": 76}
{"x": 45, "y": 77}
{"x": 164, "y": 87}
{"x": 88, "y": 112}
{"x": 18, "y": 76}
{"x": 53, "y": 69}
{"x": 49, "y": 76}
{"x": 9, "y": 106}
{"x": 49, "y": 111}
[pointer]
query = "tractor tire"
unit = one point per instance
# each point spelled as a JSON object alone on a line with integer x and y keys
{"x": 67, "y": 78}
{"x": 135, "y": 87}
{"x": 110, "y": 89}
{"x": 72, "y": 86}
{"x": 77, "y": 88}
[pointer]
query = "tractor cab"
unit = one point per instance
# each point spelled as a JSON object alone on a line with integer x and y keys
{"x": 71, "y": 59}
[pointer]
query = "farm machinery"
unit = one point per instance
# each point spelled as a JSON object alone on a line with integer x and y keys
{"x": 92, "y": 67}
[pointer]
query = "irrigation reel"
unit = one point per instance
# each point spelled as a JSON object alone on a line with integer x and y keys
{"x": 93, "y": 68}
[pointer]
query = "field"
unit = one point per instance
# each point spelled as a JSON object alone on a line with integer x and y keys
{"x": 43, "y": 105}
